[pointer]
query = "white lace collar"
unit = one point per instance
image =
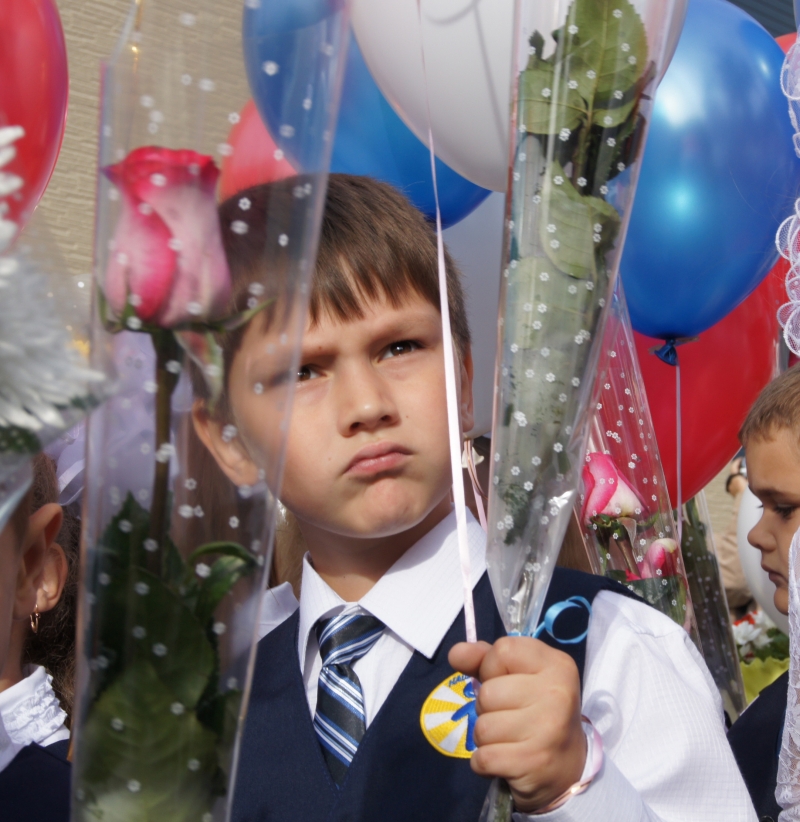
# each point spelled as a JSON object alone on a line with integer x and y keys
{"x": 30, "y": 711}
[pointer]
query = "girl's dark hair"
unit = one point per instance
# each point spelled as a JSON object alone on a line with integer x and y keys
{"x": 53, "y": 646}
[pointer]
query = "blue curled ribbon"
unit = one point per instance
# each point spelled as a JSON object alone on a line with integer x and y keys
{"x": 555, "y": 611}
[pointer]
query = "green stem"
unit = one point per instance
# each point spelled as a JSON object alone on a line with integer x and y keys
{"x": 167, "y": 351}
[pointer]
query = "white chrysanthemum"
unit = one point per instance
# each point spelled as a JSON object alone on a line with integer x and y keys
{"x": 9, "y": 183}
{"x": 41, "y": 372}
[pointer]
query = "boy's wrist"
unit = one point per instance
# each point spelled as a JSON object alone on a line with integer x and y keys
{"x": 593, "y": 761}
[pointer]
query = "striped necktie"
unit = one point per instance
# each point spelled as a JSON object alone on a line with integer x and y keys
{"x": 340, "y": 721}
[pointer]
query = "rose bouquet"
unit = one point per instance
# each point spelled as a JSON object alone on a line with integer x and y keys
{"x": 177, "y": 553}
{"x": 586, "y": 72}
{"x": 626, "y": 514}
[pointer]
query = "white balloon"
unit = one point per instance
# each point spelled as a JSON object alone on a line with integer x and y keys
{"x": 476, "y": 244}
{"x": 760, "y": 585}
{"x": 468, "y": 62}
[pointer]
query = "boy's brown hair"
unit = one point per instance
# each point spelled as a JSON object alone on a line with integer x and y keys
{"x": 373, "y": 243}
{"x": 777, "y": 407}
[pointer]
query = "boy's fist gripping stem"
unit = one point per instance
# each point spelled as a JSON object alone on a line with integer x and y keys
{"x": 529, "y": 717}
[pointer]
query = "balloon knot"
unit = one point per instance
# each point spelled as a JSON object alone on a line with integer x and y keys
{"x": 668, "y": 353}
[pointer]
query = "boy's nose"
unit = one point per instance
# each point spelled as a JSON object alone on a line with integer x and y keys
{"x": 365, "y": 403}
{"x": 760, "y": 538}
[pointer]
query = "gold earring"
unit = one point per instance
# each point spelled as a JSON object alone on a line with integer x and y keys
{"x": 35, "y": 619}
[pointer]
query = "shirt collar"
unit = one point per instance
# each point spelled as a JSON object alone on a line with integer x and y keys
{"x": 417, "y": 599}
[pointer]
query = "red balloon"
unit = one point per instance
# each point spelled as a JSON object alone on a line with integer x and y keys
{"x": 254, "y": 159}
{"x": 33, "y": 94}
{"x": 722, "y": 373}
{"x": 786, "y": 41}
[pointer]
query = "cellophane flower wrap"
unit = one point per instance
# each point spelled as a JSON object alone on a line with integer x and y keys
{"x": 177, "y": 551}
{"x": 711, "y": 605}
{"x": 582, "y": 92}
{"x": 625, "y": 511}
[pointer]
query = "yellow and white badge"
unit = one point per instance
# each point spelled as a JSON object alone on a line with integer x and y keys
{"x": 448, "y": 717}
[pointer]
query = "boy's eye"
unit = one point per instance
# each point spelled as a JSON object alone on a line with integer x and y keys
{"x": 306, "y": 373}
{"x": 785, "y": 511}
{"x": 402, "y": 347}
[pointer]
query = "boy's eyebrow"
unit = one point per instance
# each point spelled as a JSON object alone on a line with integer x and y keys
{"x": 774, "y": 494}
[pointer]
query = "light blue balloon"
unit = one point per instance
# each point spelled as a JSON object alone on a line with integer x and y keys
{"x": 718, "y": 176}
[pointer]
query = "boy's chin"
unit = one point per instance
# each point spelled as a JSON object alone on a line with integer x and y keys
{"x": 781, "y": 600}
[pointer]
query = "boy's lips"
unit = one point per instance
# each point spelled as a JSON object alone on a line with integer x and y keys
{"x": 378, "y": 457}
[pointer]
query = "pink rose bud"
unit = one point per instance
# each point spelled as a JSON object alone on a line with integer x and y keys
{"x": 661, "y": 559}
{"x": 167, "y": 258}
{"x": 606, "y": 490}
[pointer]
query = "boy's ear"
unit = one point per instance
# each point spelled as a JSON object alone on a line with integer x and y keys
{"x": 467, "y": 412}
{"x": 228, "y": 452}
{"x": 43, "y": 563}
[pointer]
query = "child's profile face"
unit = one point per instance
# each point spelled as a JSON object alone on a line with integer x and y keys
{"x": 367, "y": 452}
{"x": 773, "y": 471}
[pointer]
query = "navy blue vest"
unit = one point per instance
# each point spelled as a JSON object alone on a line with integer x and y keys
{"x": 396, "y": 773}
{"x": 756, "y": 741}
{"x": 35, "y": 787}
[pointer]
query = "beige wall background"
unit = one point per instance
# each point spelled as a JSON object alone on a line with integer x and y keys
{"x": 92, "y": 29}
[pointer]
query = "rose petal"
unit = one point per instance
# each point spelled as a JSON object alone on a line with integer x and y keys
{"x": 203, "y": 284}
{"x": 604, "y": 473}
{"x": 142, "y": 262}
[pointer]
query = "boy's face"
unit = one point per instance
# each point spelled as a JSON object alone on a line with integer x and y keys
{"x": 773, "y": 471}
{"x": 367, "y": 451}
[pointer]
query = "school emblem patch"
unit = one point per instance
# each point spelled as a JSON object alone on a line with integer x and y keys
{"x": 448, "y": 717}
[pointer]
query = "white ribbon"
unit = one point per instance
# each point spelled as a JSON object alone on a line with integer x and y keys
{"x": 453, "y": 417}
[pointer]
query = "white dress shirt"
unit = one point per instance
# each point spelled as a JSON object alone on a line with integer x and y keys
{"x": 646, "y": 689}
{"x": 30, "y": 712}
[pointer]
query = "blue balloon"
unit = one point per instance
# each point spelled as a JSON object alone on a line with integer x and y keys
{"x": 292, "y": 49}
{"x": 718, "y": 176}
{"x": 267, "y": 17}
{"x": 371, "y": 139}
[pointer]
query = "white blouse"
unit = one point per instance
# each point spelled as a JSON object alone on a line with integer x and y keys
{"x": 30, "y": 712}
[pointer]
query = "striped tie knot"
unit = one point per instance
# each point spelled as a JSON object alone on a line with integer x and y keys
{"x": 340, "y": 721}
{"x": 346, "y": 638}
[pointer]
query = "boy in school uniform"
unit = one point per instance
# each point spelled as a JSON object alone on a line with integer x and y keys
{"x": 771, "y": 439}
{"x": 362, "y": 704}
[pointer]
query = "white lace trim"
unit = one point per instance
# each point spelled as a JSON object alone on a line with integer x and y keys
{"x": 30, "y": 710}
{"x": 788, "y": 790}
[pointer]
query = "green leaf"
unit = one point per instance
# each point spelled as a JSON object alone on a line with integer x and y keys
{"x": 225, "y": 573}
{"x": 144, "y": 759}
{"x": 545, "y": 106}
{"x": 614, "y": 115}
{"x": 225, "y": 548}
{"x": 174, "y": 642}
{"x": 603, "y": 47}
{"x": 206, "y": 353}
{"x": 569, "y": 227}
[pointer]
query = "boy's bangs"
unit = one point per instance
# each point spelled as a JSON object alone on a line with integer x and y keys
{"x": 344, "y": 295}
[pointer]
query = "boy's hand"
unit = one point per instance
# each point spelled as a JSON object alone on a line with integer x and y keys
{"x": 529, "y": 717}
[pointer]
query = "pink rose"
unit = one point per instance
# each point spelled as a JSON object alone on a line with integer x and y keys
{"x": 606, "y": 491}
{"x": 661, "y": 559}
{"x": 167, "y": 257}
